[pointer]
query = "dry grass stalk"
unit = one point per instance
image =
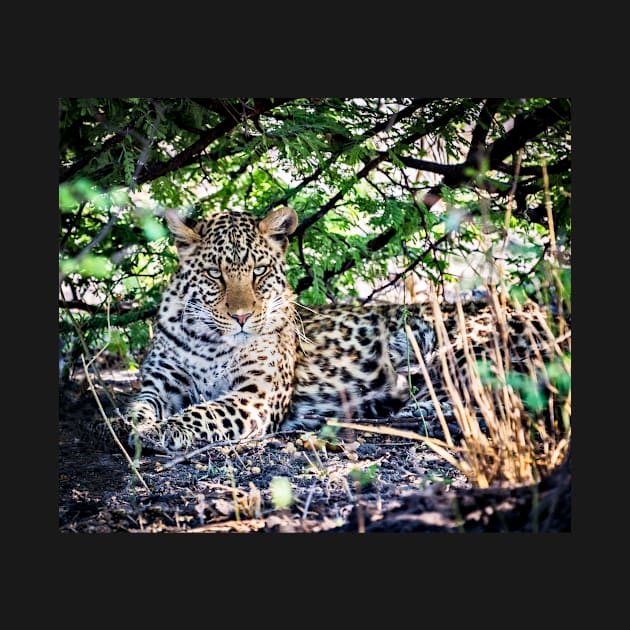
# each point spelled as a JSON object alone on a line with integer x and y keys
{"x": 109, "y": 426}
{"x": 519, "y": 444}
{"x": 439, "y": 447}
{"x": 427, "y": 378}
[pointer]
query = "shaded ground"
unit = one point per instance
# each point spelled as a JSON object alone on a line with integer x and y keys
{"x": 366, "y": 483}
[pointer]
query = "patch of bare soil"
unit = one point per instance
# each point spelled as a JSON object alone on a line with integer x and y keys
{"x": 365, "y": 483}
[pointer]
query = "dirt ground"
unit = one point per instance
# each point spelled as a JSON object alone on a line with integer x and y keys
{"x": 364, "y": 482}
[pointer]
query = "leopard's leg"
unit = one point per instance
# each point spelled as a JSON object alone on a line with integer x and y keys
{"x": 257, "y": 396}
{"x": 179, "y": 406}
{"x": 156, "y": 401}
{"x": 234, "y": 416}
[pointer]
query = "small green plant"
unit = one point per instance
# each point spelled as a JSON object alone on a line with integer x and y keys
{"x": 329, "y": 434}
{"x": 364, "y": 476}
{"x": 281, "y": 492}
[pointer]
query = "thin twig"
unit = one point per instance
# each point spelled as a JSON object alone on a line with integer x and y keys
{"x": 436, "y": 445}
{"x": 427, "y": 378}
{"x": 95, "y": 241}
{"x": 552, "y": 234}
{"x": 308, "y": 502}
{"x": 109, "y": 425}
{"x": 237, "y": 514}
{"x": 359, "y": 506}
{"x": 186, "y": 456}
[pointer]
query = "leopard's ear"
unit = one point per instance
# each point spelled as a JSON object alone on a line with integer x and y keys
{"x": 278, "y": 225}
{"x": 184, "y": 236}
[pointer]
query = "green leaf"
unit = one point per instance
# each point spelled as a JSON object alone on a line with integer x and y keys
{"x": 67, "y": 198}
{"x": 153, "y": 229}
{"x": 329, "y": 433}
{"x": 119, "y": 196}
{"x": 559, "y": 376}
{"x": 525, "y": 252}
{"x": 89, "y": 266}
{"x": 281, "y": 493}
{"x": 95, "y": 266}
{"x": 364, "y": 476}
{"x": 518, "y": 294}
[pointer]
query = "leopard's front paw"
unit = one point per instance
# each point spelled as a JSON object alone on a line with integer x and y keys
{"x": 149, "y": 436}
{"x": 165, "y": 436}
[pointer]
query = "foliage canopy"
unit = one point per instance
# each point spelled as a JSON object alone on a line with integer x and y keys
{"x": 445, "y": 190}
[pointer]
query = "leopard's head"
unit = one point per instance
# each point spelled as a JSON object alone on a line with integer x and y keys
{"x": 231, "y": 281}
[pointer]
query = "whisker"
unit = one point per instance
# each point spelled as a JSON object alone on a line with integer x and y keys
{"x": 200, "y": 313}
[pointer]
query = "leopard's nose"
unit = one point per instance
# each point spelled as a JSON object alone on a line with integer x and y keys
{"x": 240, "y": 318}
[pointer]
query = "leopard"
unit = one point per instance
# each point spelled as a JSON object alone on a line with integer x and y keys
{"x": 235, "y": 356}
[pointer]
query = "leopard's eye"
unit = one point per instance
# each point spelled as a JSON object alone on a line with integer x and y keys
{"x": 258, "y": 271}
{"x": 213, "y": 272}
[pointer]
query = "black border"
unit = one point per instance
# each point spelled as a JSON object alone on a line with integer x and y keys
{"x": 412, "y": 63}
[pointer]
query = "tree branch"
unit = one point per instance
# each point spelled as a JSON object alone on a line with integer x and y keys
{"x": 374, "y": 244}
{"x": 374, "y": 162}
{"x": 528, "y": 128}
{"x": 477, "y": 149}
{"x": 316, "y": 216}
{"x": 381, "y": 126}
{"x": 100, "y": 320}
{"x": 381, "y": 240}
{"x": 561, "y": 166}
{"x": 189, "y": 155}
{"x": 93, "y": 308}
{"x": 432, "y": 167}
{"x": 407, "y": 269}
